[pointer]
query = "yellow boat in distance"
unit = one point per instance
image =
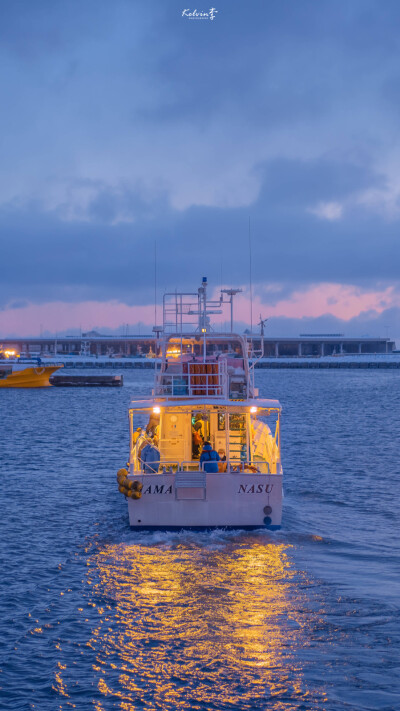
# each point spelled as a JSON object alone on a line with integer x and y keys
{"x": 26, "y": 375}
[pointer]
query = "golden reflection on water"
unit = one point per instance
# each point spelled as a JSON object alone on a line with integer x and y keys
{"x": 190, "y": 627}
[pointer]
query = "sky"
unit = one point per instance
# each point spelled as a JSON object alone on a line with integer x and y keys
{"x": 128, "y": 128}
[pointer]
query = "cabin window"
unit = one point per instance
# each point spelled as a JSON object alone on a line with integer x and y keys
{"x": 221, "y": 422}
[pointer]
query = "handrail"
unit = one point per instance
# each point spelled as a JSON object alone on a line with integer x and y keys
{"x": 192, "y": 379}
{"x": 163, "y": 464}
{"x": 235, "y": 466}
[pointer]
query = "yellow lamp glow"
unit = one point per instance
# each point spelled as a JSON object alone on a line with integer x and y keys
{"x": 173, "y": 353}
{"x": 253, "y": 409}
{"x": 156, "y": 410}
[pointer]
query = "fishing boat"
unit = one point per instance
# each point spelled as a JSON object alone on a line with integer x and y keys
{"x": 204, "y": 447}
{"x": 26, "y": 374}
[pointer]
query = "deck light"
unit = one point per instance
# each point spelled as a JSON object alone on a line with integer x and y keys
{"x": 156, "y": 410}
{"x": 253, "y": 409}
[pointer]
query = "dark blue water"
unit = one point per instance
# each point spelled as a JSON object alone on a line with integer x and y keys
{"x": 94, "y": 616}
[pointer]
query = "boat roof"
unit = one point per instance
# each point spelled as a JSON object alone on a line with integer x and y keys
{"x": 198, "y": 403}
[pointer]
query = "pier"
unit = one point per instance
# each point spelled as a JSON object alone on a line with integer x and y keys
{"x": 324, "y": 364}
{"x": 83, "y": 381}
{"x": 338, "y": 363}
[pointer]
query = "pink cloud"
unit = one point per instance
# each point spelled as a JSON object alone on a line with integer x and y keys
{"x": 344, "y": 302}
{"x": 60, "y": 316}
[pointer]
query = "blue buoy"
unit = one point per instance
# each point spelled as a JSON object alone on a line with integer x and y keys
{"x": 267, "y": 521}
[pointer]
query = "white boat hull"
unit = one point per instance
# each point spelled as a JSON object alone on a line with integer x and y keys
{"x": 234, "y": 500}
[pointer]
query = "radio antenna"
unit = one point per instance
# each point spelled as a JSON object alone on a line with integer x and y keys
{"x": 155, "y": 282}
{"x": 251, "y": 283}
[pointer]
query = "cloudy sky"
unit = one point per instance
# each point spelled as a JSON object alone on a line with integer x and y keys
{"x": 124, "y": 124}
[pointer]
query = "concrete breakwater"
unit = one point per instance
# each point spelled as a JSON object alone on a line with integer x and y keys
{"x": 312, "y": 363}
{"x": 341, "y": 365}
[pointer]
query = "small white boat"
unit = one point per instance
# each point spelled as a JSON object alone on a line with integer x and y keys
{"x": 207, "y": 449}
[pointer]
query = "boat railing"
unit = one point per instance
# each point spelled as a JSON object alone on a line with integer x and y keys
{"x": 165, "y": 466}
{"x": 262, "y": 467}
{"x": 235, "y": 466}
{"x": 191, "y": 466}
{"x": 33, "y": 362}
{"x": 193, "y": 380}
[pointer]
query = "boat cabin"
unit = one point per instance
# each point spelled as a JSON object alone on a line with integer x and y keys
{"x": 197, "y": 366}
{"x": 239, "y": 434}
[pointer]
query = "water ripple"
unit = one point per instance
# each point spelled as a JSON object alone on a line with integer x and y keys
{"x": 94, "y": 616}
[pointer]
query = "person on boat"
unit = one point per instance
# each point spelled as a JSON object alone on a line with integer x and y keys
{"x": 152, "y": 427}
{"x": 199, "y": 425}
{"x": 141, "y": 444}
{"x": 197, "y": 441}
{"x": 222, "y": 465}
{"x": 150, "y": 458}
{"x": 210, "y": 458}
{"x": 137, "y": 434}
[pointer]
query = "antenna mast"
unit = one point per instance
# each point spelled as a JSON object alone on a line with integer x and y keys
{"x": 155, "y": 282}
{"x": 262, "y": 323}
{"x": 251, "y": 283}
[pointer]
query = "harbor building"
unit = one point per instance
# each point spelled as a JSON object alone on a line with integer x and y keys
{"x": 95, "y": 344}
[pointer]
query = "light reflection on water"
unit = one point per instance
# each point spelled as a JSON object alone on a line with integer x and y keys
{"x": 93, "y": 616}
{"x": 183, "y": 626}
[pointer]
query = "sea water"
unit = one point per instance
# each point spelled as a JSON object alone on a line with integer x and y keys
{"x": 95, "y": 616}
